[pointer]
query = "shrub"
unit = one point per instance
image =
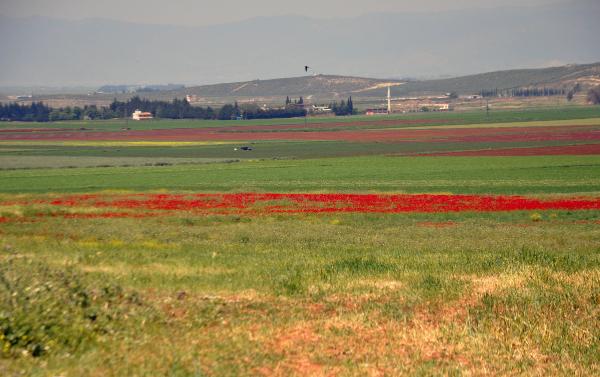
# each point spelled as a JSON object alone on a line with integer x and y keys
{"x": 292, "y": 283}
{"x": 46, "y": 309}
{"x": 594, "y": 95}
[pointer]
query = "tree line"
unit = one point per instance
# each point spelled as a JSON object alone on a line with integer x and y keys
{"x": 36, "y": 112}
{"x": 176, "y": 109}
{"x": 343, "y": 108}
{"x": 523, "y": 92}
{"x": 252, "y": 111}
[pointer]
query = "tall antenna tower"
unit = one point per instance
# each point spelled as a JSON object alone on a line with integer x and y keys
{"x": 389, "y": 100}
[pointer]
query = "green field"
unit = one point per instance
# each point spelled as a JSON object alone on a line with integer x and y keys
{"x": 185, "y": 293}
{"x": 22, "y": 154}
{"x": 500, "y": 175}
{"x": 19, "y": 156}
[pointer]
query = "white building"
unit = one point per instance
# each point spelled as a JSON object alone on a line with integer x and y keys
{"x": 436, "y": 106}
{"x": 141, "y": 115}
{"x": 320, "y": 109}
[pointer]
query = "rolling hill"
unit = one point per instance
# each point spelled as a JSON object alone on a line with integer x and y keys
{"x": 565, "y": 76}
{"x": 318, "y": 85}
{"x": 325, "y": 88}
{"x": 329, "y": 86}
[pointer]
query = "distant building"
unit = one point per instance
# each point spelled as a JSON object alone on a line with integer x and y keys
{"x": 320, "y": 109}
{"x": 141, "y": 115}
{"x": 376, "y": 111}
{"x": 436, "y": 106}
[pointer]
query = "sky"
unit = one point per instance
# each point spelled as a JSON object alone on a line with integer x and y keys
{"x": 209, "y": 12}
{"x": 78, "y": 42}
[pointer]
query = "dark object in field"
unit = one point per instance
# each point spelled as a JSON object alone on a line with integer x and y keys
{"x": 82, "y": 129}
{"x": 246, "y": 148}
{"x": 181, "y": 295}
{"x": 125, "y": 129}
{"x": 594, "y": 95}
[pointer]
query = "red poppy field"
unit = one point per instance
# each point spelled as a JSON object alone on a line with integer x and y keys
{"x": 573, "y": 133}
{"x": 261, "y": 204}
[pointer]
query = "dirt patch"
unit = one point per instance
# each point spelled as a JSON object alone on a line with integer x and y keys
{"x": 156, "y": 268}
{"x": 495, "y": 283}
{"x": 293, "y": 344}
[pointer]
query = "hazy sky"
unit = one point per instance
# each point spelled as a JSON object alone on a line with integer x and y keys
{"x": 446, "y": 37}
{"x": 205, "y": 12}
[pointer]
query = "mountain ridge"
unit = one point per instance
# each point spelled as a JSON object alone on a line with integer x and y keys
{"x": 340, "y": 86}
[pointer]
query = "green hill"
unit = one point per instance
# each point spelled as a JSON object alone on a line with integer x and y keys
{"x": 329, "y": 86}
{"x": 325, "y": 88}
{"x": 587, "y": 75}
{"x": 318, "y": 85}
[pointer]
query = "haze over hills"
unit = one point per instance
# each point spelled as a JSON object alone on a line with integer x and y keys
{"x": 45, "y": 51}
{"x": 324, "y": 88}
{"x": 329, "y": 86}
{"x": 317, "y": 85}
{"x": 567, "y": 76}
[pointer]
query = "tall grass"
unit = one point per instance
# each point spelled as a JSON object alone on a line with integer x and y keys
{"x": 302, "y": 294}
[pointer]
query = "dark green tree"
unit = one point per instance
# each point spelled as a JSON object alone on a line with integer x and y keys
{"x": 227, "y": 112}
{"x": 594, "y": 95}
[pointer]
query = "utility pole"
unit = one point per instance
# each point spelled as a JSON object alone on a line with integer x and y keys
{"x": 305, "y": 116}
{"x": 126, "y": 114}
{"x": 389, "y": 100}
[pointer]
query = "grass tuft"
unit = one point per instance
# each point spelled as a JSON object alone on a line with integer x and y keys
{"x": 48, "y": 310}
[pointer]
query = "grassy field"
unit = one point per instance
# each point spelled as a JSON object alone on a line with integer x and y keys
{"x": 349, "y": 137}
{"x": 91, "y": 285}
{"x": 504, "y": 175}
{"x": 344, "y": 294}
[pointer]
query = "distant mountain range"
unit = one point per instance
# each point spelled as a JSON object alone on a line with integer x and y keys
{"x": 327, "y": 86}
{"x": 40, "y": 51}
{"x": 323, "y": 88}
{"x": 317, "y": 85}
